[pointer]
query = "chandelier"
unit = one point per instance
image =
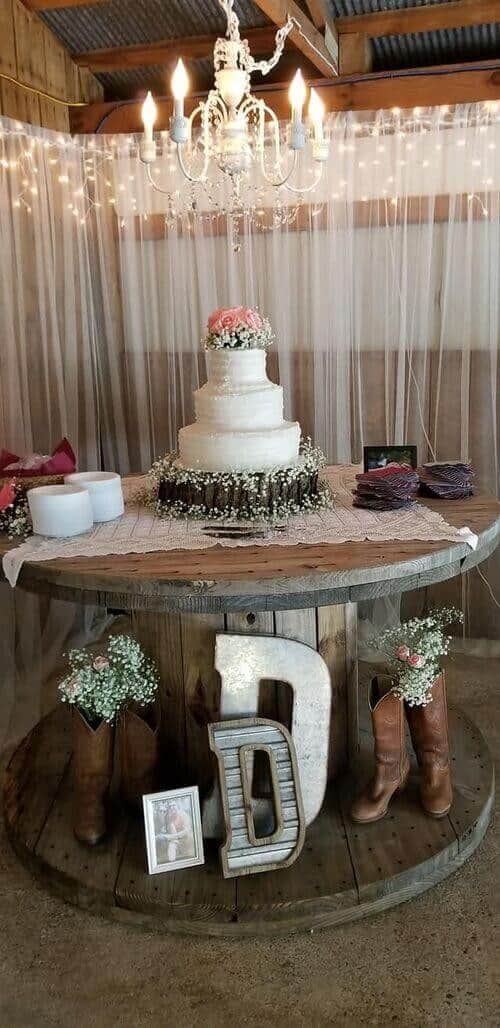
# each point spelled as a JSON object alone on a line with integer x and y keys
{"x": 237, "y": 135}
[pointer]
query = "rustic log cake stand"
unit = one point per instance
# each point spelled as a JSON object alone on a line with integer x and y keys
{"x": 177, "y": 602}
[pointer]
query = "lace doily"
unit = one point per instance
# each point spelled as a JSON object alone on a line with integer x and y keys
{"x": 140, "y": 531}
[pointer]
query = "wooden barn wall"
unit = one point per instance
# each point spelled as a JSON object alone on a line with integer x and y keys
{"x": 30, "y": 53}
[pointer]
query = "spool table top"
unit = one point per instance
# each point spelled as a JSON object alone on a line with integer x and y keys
{"x": 268, "y": 577}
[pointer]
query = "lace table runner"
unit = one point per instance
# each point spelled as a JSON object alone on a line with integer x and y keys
{"x": 140, "y": 531}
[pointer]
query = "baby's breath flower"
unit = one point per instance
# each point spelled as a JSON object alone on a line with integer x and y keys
{"x": 101, "y": 686}
{"x": 413, "y": 650}
{"x": 253, "y": 483}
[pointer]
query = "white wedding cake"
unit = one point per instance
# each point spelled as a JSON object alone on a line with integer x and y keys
{"x": 239, "y": 418}
{"x": 240, "y": 459}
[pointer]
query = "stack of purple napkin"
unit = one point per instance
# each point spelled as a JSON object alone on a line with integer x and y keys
{"x": 387, "y": 488}
{"x": 446, "y": 480}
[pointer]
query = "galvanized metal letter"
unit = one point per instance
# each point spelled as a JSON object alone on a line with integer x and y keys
{"x": 235, "y": 744}
{"x": 243, "y": 661}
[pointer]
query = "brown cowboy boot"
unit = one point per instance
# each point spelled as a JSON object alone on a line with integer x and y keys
{"x": 391, "y": 759}
{"x": 429, "y": 734}
{"x": 138, "y": 754}
{"x": 92, "y": 770}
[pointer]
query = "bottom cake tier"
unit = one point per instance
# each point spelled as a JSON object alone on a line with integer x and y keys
{"x": 271, "y": 494}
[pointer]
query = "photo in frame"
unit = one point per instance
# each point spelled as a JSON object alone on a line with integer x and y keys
{"x": 380, "y": 456}
{"x": 172, "y": 824}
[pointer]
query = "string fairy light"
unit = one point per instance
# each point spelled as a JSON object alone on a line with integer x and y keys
{"x": 91, "y": 167}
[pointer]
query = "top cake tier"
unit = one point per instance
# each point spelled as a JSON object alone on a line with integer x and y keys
{"x": 228, "y": 371}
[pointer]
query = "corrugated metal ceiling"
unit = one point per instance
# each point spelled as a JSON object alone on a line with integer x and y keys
{"x": 124, "y": 22}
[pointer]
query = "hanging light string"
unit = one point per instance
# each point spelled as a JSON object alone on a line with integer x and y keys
{"x": 407, "y": 130}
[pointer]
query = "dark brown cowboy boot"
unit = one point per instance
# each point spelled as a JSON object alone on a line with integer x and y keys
{"x": 138, "y": 754}
{"x": 92, "y": 770}
{"x": 429, "y": 734}
{"x": 392, "y": 765}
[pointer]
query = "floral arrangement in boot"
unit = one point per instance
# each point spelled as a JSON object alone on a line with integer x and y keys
{"x": 100, "y": 688}
{"x": 413, "y": 650}
{"x": 237, "y": 328}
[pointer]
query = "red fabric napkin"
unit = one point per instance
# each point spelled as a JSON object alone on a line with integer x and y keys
{"x": 7, "y": 495}
{"x": 61, "y": 462}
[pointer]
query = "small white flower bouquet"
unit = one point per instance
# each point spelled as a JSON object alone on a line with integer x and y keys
{"x": 413, "y": 650}
{"x": 100, "y": 686}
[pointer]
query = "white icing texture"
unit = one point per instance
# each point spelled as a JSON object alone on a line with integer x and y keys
{"x": 239, "y": 418}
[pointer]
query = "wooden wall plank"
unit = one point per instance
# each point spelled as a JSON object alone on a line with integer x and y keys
{"x": 55, "y": 67}
{"x": 54, "y": 116}
{"x": 8, "y": 62}
{"x": 19, "y": 104}
{"x": 31, "y": 54}
{"x": 30, "y": 46}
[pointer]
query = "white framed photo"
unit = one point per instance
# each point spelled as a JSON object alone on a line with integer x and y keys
{"x": 172, "y": 822}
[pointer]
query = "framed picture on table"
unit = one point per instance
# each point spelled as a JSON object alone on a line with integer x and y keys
{"x": 172, "y": 824}
{"x": 381, "y": 456}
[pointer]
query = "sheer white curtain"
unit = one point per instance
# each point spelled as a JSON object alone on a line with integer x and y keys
{"x": 384, "y": 293}
{"x": 48, "y": 378}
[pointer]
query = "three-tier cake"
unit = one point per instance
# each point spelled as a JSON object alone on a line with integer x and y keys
{"x": 240, "y": 458}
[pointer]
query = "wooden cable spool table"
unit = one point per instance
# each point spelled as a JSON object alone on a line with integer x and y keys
{"x": 177, "y": 601}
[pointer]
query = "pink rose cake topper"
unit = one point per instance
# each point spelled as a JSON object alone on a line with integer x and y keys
{"x": 238, "y": 328}
{"x": 230, "y": 318}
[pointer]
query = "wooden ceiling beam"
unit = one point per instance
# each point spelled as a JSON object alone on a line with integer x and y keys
{"x": 304, "y": 34}
{"x": 444, "y": 84}
{"x": 320, "y": 15}
{"x": 163, "y": 51}
{"x": 427, "y": 18}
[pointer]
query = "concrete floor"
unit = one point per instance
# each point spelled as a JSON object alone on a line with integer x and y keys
{"x": 433, "y": 961}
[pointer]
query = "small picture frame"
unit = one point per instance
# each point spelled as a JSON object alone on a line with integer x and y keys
{"x": 172, "y": 824}
{"x": 380, "y": 456}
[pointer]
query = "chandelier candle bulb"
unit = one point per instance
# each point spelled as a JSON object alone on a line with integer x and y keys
{"x": 297, "y": 96}
{"x": 316, "y": 115}
{"x": 180, "y": 86}
{"x": 147, "y": 146}
{"x": 105, "y": 491}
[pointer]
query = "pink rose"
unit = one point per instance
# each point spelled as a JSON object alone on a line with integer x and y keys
{"x": 100, "y": 663}
{"x": 228, "y": 319}
{"x": 71, "y": 688}
{"x": 250, "y": 318}
{"x": 214, "y": 320}
{"x": 402, "y": 653}
{"x": 416, "y": 660}
{"x": 224, "y": 319}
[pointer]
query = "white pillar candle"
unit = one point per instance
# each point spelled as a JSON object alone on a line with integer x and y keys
{"x": 60, "y": 510}
{"x": 105, "y": 490}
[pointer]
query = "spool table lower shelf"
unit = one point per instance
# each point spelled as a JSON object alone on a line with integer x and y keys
{"x": 344, "y": 872}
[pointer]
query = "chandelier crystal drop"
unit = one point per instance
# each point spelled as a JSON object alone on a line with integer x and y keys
{"x": 236, "y": 135}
